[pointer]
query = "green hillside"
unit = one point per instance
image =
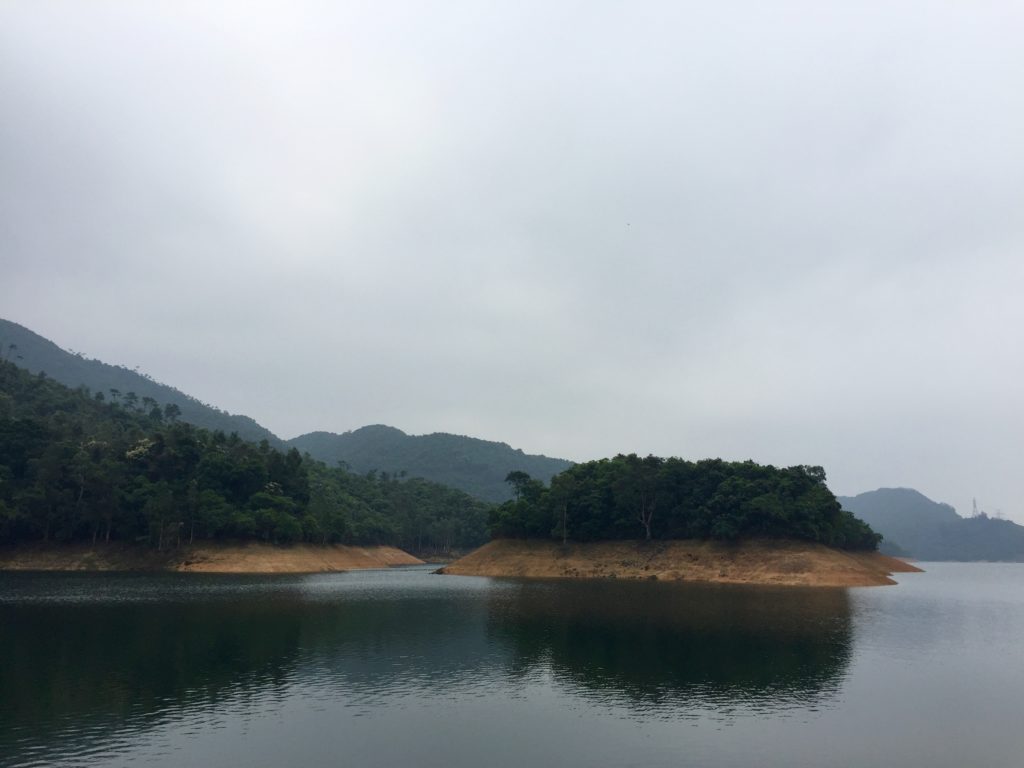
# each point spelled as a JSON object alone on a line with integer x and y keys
{"x": 915, "y": 525}
{"x": 31, "y": 351}
{"x": 478, "y": 467}
{"x": 74, "y": 468}
{"x": 475, "y": 466}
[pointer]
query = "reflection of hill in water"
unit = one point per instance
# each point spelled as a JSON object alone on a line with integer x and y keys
{"x": 130, "y": 652}
{"x": 141, "y": 649}
{"x": 91, "y": 665}
{"x": 669, "y": 644}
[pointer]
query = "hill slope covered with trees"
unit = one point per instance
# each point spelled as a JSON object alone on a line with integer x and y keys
{"x": 475, "y": 466}
{"x": 73, "y": 467}
{"x": 478, "y": 467}
{"x": 118, "y": 384}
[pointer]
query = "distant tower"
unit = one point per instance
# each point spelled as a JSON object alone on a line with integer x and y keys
{"x": 975, "y": 503}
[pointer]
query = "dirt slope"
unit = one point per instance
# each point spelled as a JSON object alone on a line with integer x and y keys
{"x": 204, "y": 558}
{"x": 789, "y": 563}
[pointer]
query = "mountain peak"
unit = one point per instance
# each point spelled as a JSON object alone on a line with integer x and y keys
{"x": 474, "y": 465}
{"x": 931, "y": 530}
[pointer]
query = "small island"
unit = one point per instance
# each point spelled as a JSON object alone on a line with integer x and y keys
{"x": 675, "y": 520}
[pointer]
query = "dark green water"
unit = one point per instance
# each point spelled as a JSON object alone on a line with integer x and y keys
{"x": 403, "y": 668}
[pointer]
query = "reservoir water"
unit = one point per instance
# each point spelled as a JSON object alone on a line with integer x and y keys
{"x": 404, "y": 667}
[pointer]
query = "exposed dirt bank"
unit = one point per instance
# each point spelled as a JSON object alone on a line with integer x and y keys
{"x": 203, "y": 558}
{"x": 779, "y": 563}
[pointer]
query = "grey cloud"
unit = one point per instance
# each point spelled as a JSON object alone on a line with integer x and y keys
{"x": 788, "y": 231}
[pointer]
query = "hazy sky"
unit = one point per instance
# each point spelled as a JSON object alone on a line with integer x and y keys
{"x": 785, "y": 231}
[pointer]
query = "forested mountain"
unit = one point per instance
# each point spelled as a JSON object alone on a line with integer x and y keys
{"x": 629, "y": 497}
{"x": 73, "y": 467}
{"x": 478, "y": 467}
{"x": 917, "y": 526}
{"x": 475, "y": 466}
{"x": 31, "y": 351}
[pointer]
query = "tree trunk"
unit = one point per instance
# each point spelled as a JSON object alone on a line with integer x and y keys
{"x": 646, "y": 515}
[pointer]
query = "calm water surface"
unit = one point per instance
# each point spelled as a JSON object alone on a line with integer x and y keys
{"x": 403, "y": 667}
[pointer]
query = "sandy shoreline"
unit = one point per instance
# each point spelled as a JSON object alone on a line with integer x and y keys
{"x": 204, "y": 558}
{"x": 776, "y": 563}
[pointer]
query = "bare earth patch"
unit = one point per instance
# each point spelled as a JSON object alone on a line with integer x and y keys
{"x": 777, "y": 563}
{"x": 204, "y": 558}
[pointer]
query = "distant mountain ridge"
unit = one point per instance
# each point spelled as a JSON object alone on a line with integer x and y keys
{"x": 470, "y": 464}
{"x": 914, "y": 525}
{"x": 478, "y": 467}
{"x": 29, "y": 350}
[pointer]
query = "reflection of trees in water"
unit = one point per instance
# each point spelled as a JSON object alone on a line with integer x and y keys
{"x": 675, "y": 644}
{"x": 73, "y": 672}
{"x": 72, "y": 675}
{"x": 69, "y": 667}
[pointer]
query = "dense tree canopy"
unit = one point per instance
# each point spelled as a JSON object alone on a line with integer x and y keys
{"x": 76, "y": 465}
{"x": 653, "y": 498}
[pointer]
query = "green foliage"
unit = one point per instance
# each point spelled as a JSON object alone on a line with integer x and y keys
{"x": 415, "y": 514}
{"x": 75, "y": 467}
{"x": 475, "y": 466}
{"x": 653, "y": 498}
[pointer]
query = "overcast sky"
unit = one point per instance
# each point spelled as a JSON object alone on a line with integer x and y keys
{"x": 785, "y": 231}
